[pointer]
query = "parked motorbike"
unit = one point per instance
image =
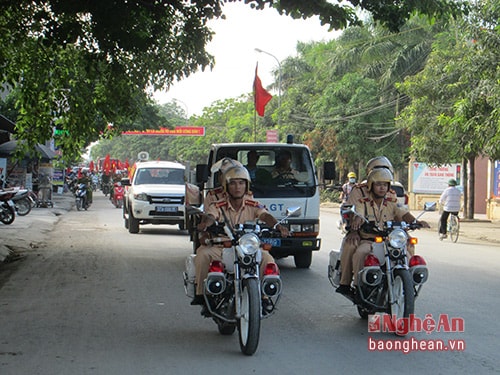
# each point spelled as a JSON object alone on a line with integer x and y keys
{"x": 81, "y": 200}
{"x": 389, "y": 282}
{"x": 343, "y": 222}
{"x": 7, "y": 207}
{"x": 23, "y": 201}
{"x": 118, "y": 192}
{"x": 234, "y": 293}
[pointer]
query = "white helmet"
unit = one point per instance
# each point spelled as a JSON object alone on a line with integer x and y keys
{"x": 379, "y": 175}
{"x": 224, "y": 164}
{"x": 378, "y": 162}
{"x": 236, "y": 173}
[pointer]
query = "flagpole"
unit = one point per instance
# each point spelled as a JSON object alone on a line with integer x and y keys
{"x": 279, "y": 80}
{"x": 254, "y": 125}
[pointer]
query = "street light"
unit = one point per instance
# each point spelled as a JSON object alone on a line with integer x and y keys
{"x": 279, "y": 77}
{"x": 185, "y": 105}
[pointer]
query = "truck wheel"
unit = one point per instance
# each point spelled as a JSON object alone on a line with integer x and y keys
{"x": 125, "y": 218}
{"x": 303, "y": 260}
{"x": 133, "y": 224}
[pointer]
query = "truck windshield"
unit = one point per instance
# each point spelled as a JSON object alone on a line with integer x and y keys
{"x": 159, "y": 176}
{"x": 276, "y": 171}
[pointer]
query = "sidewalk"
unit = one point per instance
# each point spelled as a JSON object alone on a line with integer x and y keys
{"x": 30, "y": 231}
{"x": 480, "y": 228}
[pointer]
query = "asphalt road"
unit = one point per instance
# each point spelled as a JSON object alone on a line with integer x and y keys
{"x": 94, "y": 299}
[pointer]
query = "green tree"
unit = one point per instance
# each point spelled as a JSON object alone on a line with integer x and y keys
{"x": 73, "y": 66}
{"x": 454, "y": 111}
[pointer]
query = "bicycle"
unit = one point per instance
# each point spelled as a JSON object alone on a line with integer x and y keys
{"x": 452, "y": 228}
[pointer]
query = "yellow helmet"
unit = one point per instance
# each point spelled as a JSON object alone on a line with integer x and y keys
{"x": 379, "y": 175}
{"x": 351, "y": 175}
{"x": 236, "y": 173}
{"x": 379, "y": 162}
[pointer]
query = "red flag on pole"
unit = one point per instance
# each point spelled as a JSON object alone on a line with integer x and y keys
{"x": 106, "y": 166}
{"x": 261, "y": 96}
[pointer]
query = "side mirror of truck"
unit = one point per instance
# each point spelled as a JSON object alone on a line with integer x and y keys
{"x": 329, "y": 170}
{"x": 201, "y": 173}
{"x": 125, "y": 181}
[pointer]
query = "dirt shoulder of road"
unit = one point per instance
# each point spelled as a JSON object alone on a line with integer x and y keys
{"x": 28, "y": 233}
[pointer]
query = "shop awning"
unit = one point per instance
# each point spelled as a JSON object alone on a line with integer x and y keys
{"x": 43, "y": 152}
{"x": 6, "y": 124}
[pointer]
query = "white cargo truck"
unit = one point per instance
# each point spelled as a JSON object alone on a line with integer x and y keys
{"x": 277, "y": 191}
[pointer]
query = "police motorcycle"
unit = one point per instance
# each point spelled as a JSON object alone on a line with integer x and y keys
{"x": 235, "y": 295}
{"x": 389, "y": 282}
{"x": 343, "y": 222}
{"x": 81, "y": 200}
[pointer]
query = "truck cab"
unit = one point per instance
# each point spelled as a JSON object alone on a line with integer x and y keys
{"x": 278, "y": 188}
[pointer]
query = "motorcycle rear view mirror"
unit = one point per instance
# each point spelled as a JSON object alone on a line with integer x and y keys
{"x": 430, "y": 206}
{"x": 354, "y": 212}
{"x": 290, "y": 212}
{"x": 191, "y": 210}
{"x": 293, "y": 211}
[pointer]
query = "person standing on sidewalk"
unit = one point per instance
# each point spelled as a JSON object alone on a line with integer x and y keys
{"x": 450, "y": 202}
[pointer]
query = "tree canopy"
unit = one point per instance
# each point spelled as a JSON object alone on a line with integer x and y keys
{"x": 80, "y": 66}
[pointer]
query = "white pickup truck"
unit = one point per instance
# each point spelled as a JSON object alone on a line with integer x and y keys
{"x": 155, "y": 194}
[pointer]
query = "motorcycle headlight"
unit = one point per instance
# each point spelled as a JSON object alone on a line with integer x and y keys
{"x": 249, "y": 243}
{"x": 398, "y": 238}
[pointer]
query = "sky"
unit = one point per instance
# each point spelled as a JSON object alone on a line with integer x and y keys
{"x": 233, "y": 47}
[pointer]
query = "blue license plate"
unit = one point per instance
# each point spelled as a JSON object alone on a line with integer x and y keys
{"x": 275, "y": 242}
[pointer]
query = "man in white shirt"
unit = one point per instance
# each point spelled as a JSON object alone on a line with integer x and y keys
{"x": 450, "y": 201}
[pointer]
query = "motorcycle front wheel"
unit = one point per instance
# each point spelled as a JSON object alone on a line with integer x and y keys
{"x": 249, "y": 322}
{"x": 79, "y": 204}
{"x": 404, "y": 301}
{"x": 226, "y": 329}
{"x": 7, "y": 215}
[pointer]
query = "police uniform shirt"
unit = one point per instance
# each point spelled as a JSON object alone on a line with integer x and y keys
{"x": 249, "y": 211}
{"x": 388, "y": 210}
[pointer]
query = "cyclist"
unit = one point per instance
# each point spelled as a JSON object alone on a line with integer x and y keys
{"x": 450, "y": 202}
{"x": 348, "y": 186}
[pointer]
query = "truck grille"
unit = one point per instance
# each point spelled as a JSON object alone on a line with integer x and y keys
{"x": 166, "y": 199}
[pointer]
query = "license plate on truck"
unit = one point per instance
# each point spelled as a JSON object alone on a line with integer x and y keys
{"x": 275, "y": 242}
{"x": 166, "y": 209}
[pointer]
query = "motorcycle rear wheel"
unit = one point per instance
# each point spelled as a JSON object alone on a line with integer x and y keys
{"x": 404, "y": 300}
{"x": 8, "y": 215}
{"x": 249, "y": 323}
{"x": 23, "y": 206}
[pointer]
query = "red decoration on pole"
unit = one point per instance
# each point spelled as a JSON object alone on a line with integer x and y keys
{"x": 261, "y": 96}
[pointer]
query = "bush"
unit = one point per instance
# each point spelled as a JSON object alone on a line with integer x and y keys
{"x": 329, "y": 195}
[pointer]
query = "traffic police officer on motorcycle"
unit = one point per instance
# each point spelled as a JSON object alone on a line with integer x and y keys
{"x": 376, "y": 206}
{"x": 236, "y": 207}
